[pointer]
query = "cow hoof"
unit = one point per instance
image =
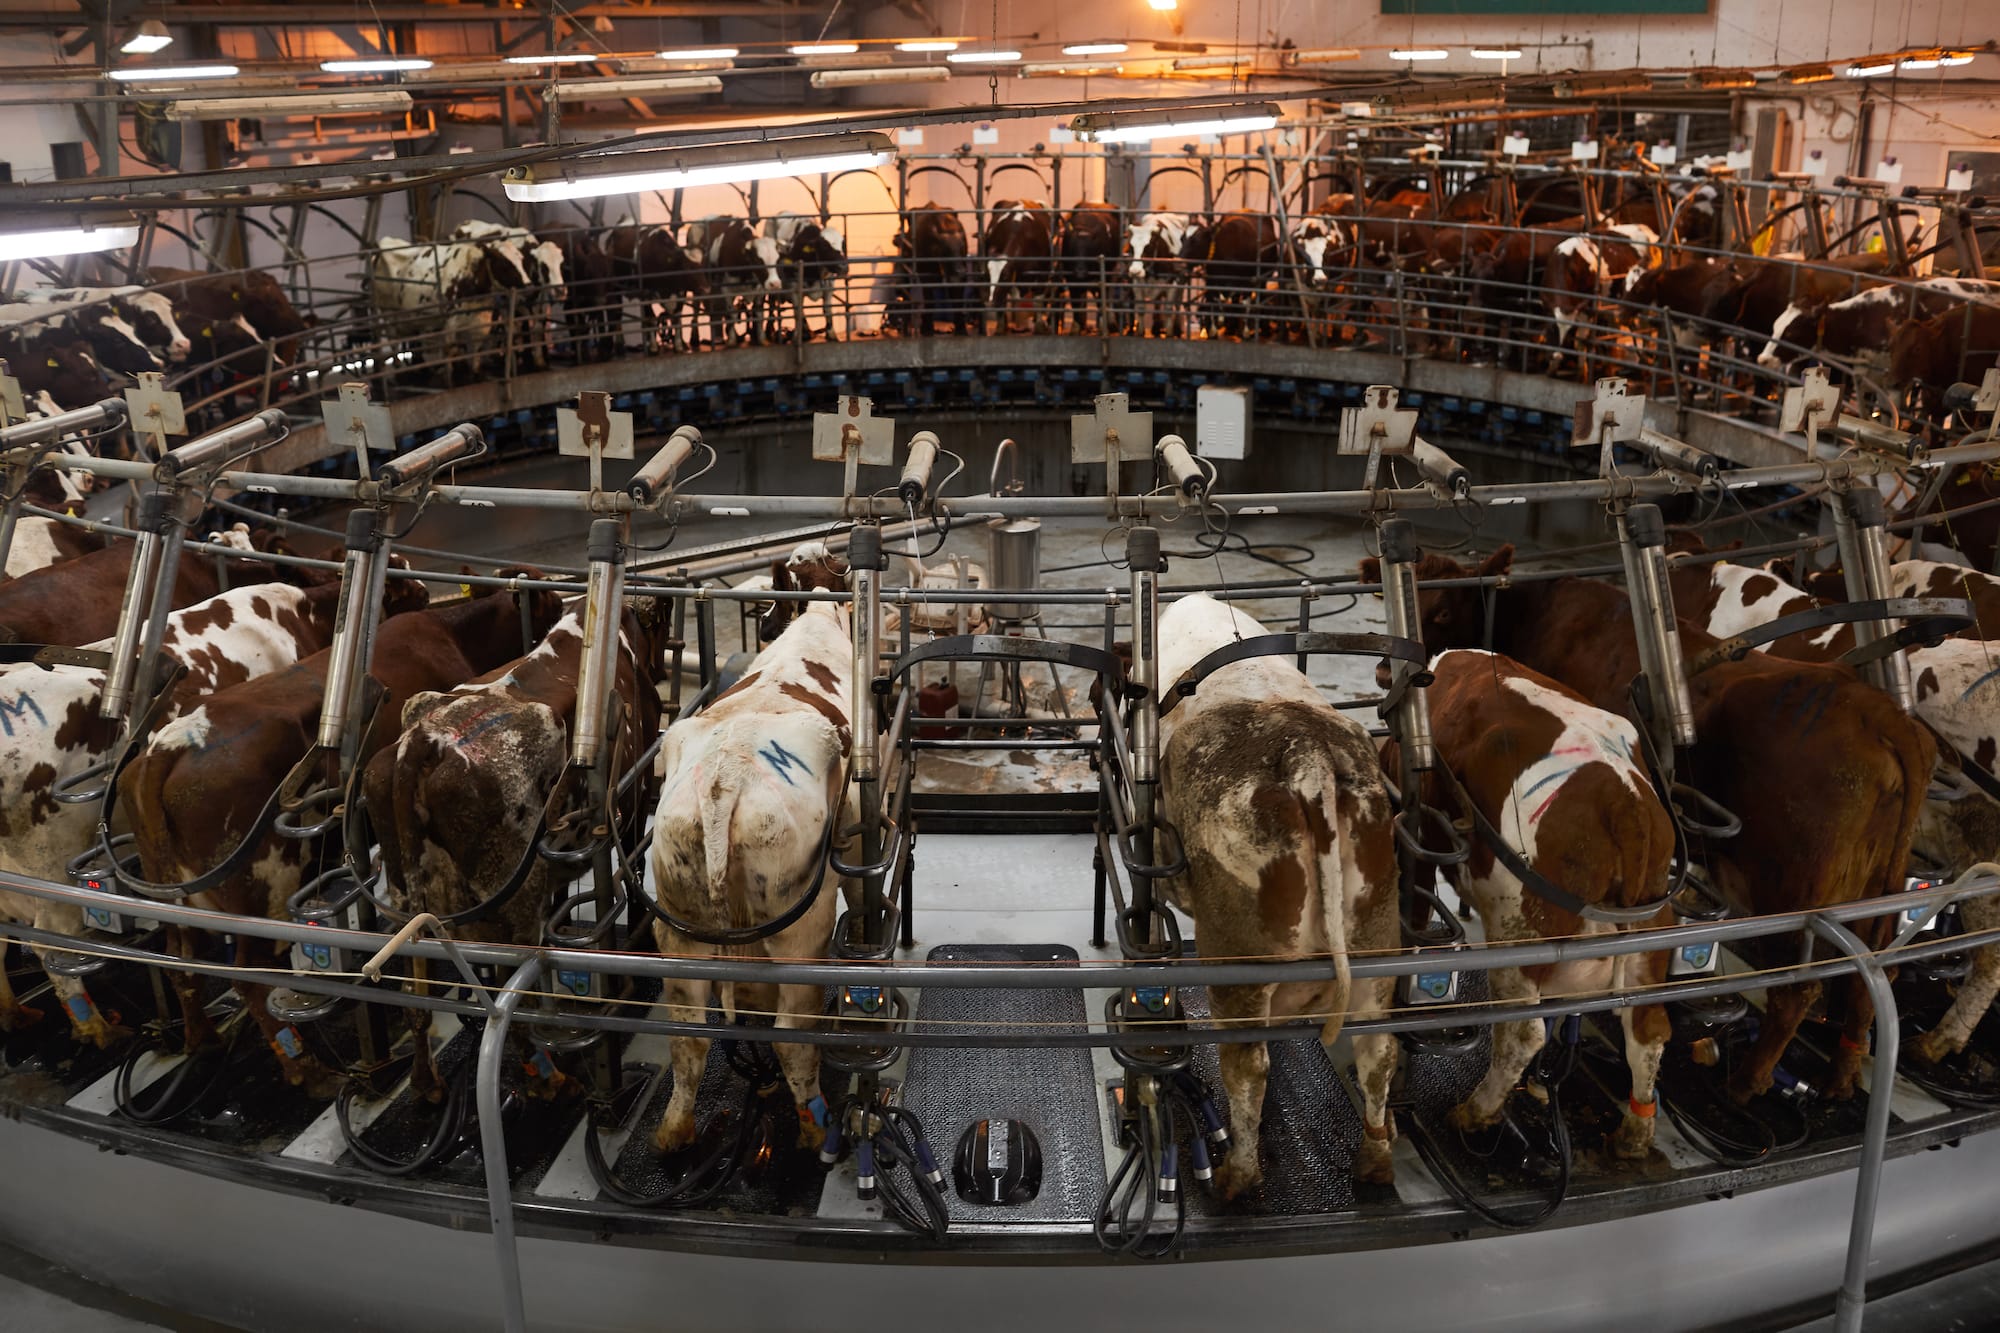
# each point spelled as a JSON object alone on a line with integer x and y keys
{"x": 1934, "y": 1046}
{"x": 1235, "y": 1177}
{"x": 1375, "y": 1164}
{"x": 673, "y": 1133}
{"x": 1633, "y": 1140}
{"x": 101, "y": 1033}
{"x": 1743, "y": 1091}
{"x": 1467, "y": 1119}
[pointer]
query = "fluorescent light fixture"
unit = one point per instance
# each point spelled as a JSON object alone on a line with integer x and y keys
{"x": 385, "y": 65}
{"x": 983, "y": 57}
{"x": 679, "y": 168}
{"x": 1802, "y": 74}
{"x": 1721, "y": 79}
{"x": 584, "y": 90}
{"x": 1496, "y": 53}
{"x": 1957, "y": 57}
{"x": 1920, "y": 62}
{"x": 824, "y": 48}
{"x": 148, "y": 38}
{"x": 939, "y": 44}
{"x": 1870, "y": 66}
{"x": 859, "y": 78}
{"x": 1164, "y": 5}
{"x": 46, "y": 237}
{"x": 1139, "y": 127}
{"x": 1075, "y": 69}
{"x": 701, "y": 53}
{"x": 1600, "y": 85}
{"x": 1097, "y": 49}
{"x": 1444, "y": 93}
{"x": 311, "y": 104}
{"x": 1418, "y": 53}
{"x": 565, "y": 58}
{"x": 165, "y": 73}
{"x": 1215, "y": 62}
{"x": 1322, "y": 55}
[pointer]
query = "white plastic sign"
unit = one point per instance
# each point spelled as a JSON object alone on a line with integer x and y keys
{"x": 1818, "y": 164}
{"x": 1958, "y": 178}
{"x": 1663, "y": 155}
{"x": 1889, "y": 171}
{"x": 985, "y": 134}
{"x": 909, "y": 138}
{"x": 1361, "y": 109}
{"x": 1583, "y": 150}
{"x": 1737, "y": 159}
{"x": 1061, "y": 134}
{"x": 1516, "y": 145}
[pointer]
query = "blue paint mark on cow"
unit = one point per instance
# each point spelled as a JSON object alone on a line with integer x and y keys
{"x": 18, "y": 712}
{"x": 782, "y": 761}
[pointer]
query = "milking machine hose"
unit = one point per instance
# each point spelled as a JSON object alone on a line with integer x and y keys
{"x": 169, "y": 1104}
{"x": 724, "y": 1162}
{"x": 450, "y": 1127}
{"x": 1551, "y": 1076}
{"x": 1144, "y": 1165}
{"x": 900, "y": 1142}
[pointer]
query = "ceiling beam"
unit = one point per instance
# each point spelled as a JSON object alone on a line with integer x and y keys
{"x": 41, "y": 13}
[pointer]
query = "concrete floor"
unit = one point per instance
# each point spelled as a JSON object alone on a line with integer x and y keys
{"x": 39, "y": 1297}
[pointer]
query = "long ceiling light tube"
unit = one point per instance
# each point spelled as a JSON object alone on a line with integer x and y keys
{"x": 45, "y": 237}
{"x": 310, "y": 104}
{"x": 584, "y": 90}
{"x": 1141, "y": 127}
{"x": 598, "y": 174}
{"x": 172, "y": 73}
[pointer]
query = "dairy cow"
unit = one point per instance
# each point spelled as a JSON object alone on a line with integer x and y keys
{"x": 749, "y": 787}
{"x": 456, "y": 799}
{"x": 78, "y": 600}
{"x": 933, "y": 269}
{"x": 1017, "y": 252}
{"x": 665, "y": 275}
{"x": 50, "y": 730}
{"x": 1286, "y": 823}
{"x": 1859, "y": 327}
{"x": 1087, "y": 252}
{"x": 813, "y": 259}
{"x": 196, "y": 789}
{"x": 461, "y": 281}
{"x": 743, "y": 279}
{"x": 150, "y": 313}
{"x": 1157, "y": 274}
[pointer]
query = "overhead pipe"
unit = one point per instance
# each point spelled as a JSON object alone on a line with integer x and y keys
{"x": 1667, "y": 452}
{"x": 1441, "y": 468}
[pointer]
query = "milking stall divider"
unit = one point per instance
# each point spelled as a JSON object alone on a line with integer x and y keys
{"x": 1144, "y": 1025}
{"x": 582, "y": 989}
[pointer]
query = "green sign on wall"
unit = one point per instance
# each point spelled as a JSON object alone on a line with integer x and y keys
{"x": 1478, "y": 7}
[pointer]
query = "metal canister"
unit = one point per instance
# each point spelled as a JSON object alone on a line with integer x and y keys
{"x": 1014, "y": 561}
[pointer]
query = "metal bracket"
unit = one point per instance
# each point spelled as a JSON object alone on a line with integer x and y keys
{"x": 852, "y": 435}
{"x": 1376, "y": 428}
{"x": 592, "y": 430}
{"x": 1613, "y": 415}
{"x": 1809, "y": 404}
{"x": 364, "y": 425}
{"x": 1113, "y": 434}
{"x": 155, "y": 411}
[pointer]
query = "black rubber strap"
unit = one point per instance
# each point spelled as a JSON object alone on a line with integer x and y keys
{"x": 1010, "y": 648}
{"x": 1533, "y": 880}
{"x": 1933, "y": 618}
{"x": 1314, "y": 642}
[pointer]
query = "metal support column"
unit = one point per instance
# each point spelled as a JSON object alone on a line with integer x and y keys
{"x": 1142, "y": 552}
{"x": 493, "y": 1142}
{"x": 1642, "y": 539}
{"x": 1858, "y": 516}
{"x": 866, "y": 563}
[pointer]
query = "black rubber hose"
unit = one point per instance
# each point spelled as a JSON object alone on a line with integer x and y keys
{"x": 443, "y": 1141}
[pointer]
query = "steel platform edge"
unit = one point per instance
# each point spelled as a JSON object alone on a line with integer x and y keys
{"x": 239, "y": 1241}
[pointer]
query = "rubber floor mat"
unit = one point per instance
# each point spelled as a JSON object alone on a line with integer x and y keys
{"x": 1053, "y": 1089}
{"x": 1309, "y": 1134}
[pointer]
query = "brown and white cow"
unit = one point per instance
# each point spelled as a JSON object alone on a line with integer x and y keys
{"x": 1859, "y": 328}
{"x": 77, "y": 601}
{"x": 1932, "y": 578}
{"x": 50, "y": 730}
{"x": 742, "y": 270}
{"x": 1558, "y": 778}
{"x": 1584, "y": 270}
{"x": 1017, "y": 251}
{"x": 934, "y": 277}
{"x": 1286, "y": 823}
{"x": 1234, "y": 254}
{"x": 1928, "y": 356}
{"x": 748, "y": 788}
{"x": 1828, "y": 776}
{"x": 1157, "y": 274}
{"x": 458, "y": 283}
{"x": 196, "y": 789}
{"x": 455, "y": 800}
{"x": 41, "y": 542}
{"x": 1087, "y": 254}
{"x": 255, "y": 297}
{"x": 666, "y": 276}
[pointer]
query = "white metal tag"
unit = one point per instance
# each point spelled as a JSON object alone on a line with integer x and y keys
{"x": 1112, "y": 433}
{"x": 1807, "y": 405}
{"x": 155, "y": 410}
{"x": 1378, "y": 425}
{"x": 363, "y": 426}
{"x": 1612, "y": 415}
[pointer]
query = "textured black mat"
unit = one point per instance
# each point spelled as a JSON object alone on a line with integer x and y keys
{"x": 1309, "y": 1135}
{"x": 1053, "y": 1090}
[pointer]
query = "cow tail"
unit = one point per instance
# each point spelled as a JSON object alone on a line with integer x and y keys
{"x": 717, "y": 813}
{"x": 1329, "y": 867}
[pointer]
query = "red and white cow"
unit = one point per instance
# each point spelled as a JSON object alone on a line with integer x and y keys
{"x": 1556, "y": 777}
{"x": 1281, "y": 806}
{"x": 1933, "y": 578}
{"x": 1159, "y": 277}
{"x": 50, "y": 730}
{"x": 457, "y": 281}
{"x": 748, "y": 787}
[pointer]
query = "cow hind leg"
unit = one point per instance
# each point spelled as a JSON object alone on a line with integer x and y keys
{"x": 13, "y": 1014}
{"x": 798, "y": 1007}
{"x": 1975, "y": 994}
{"x": 1646, "y": 1032}
{"x": 1245, "y": 1068}
{"x": 1784, "y": 1010}
{"x": 1514, "y": 1045}
{"x": 197, "y": 1030}
{"x": 1858, "y": 1021}
{"x": 1376, "y": 1055}
{"x": 689, "y": 1056}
